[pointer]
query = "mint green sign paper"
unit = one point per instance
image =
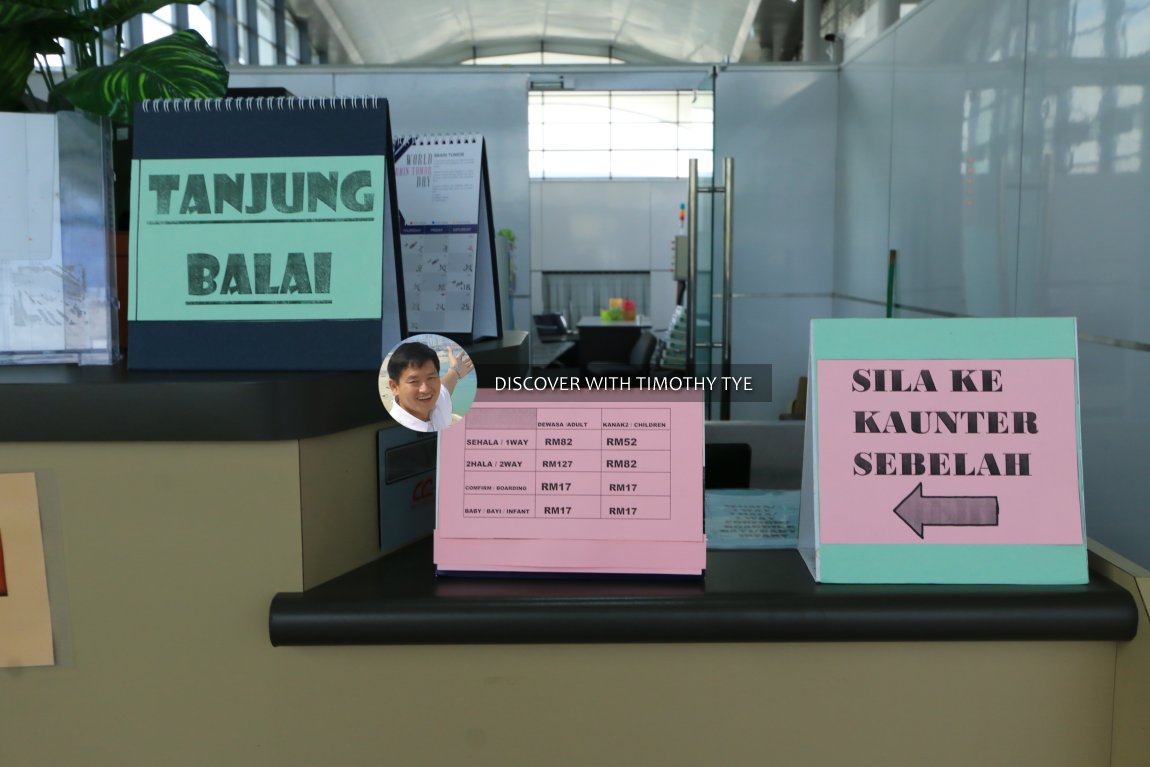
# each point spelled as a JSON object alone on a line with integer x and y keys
{"x": 943, "y": 451}
{"x": 270, "y": 238}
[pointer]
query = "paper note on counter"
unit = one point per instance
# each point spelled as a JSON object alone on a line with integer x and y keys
{"x": 752, "y": 519}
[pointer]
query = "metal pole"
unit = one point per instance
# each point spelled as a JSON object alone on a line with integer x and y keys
{"x": 692, "y": 259}
{"x": 892, "y": 261}
{"x": 728, "y": 269}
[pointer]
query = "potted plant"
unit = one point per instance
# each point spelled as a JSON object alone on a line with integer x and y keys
{"x": 181, "y": 65}
{"x": 508, "y": 236}
{"x": 55, "y": 242}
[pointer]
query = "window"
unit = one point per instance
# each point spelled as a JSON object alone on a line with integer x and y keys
{"x": 619, "y": 134}
{"x": 291, "y": 44}
{"x": 1134, "y": 30}
{"x": 159, "y": 24}
{"x": 540, "y": 57}
{"x": 1084, "y": 153}
{"x": 243, "y": 56}
{"x": 111, "y": 48}
{"x": 266, "y": 32}
{"x": 202, "y": 18}
{"x": 1128, "y": 113}
{"x": 253, "y": 22}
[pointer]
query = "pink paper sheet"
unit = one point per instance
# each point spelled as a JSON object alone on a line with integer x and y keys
{"x": 595, "y": 481}
{"x": 1022, "y": 416}
{"x": 553, "y": 555}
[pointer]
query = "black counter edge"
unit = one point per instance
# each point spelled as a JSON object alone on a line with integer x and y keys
{"x": 191, "y": 410}
{"x": 70, "y": 403}
{"x": 295, "y": 620}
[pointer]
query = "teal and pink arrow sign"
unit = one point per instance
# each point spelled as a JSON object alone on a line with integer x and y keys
{"x": 944, "y": 451}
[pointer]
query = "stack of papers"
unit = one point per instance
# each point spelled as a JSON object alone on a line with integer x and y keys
{"x": 577, "y": 482}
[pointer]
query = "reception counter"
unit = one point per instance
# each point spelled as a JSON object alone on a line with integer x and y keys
{"x": 746, "y": 596}
{"x": 176, "y": 507}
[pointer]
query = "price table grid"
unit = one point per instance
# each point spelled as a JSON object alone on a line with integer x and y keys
{"x": 568, "y": 463}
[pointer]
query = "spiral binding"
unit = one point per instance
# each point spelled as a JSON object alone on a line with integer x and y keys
{"x": 260, "y": 103}
{"x": 438, "y": 139}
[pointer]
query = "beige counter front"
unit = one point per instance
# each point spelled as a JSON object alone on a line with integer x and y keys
{"x": 163, "y": 557}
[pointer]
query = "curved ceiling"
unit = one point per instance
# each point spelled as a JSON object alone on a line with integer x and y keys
{"x": 450, "y": 31}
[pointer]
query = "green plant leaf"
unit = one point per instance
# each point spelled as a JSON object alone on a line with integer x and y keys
{"x": 16, "y": 14}
{"x": 45, "y": 44}
{"x": 181, "y": 65}
{"x": 16, "y": 61}
{"x": 115, "y": 12}
{"x": 63, "y": 27}
{"x": 66, "y": 6}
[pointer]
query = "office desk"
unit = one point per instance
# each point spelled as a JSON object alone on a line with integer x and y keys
{"x": 545, "y": 353}
{"x": 609, "y": 340}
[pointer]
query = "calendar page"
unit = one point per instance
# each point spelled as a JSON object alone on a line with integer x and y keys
{"x": 447, "y": 272}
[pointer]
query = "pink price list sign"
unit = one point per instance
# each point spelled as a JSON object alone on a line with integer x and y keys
{"x": 592, "y": 466}
{"x": 948, "y": 451}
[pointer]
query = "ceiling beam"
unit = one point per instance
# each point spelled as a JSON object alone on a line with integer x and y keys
{"x": 337, "y": 28}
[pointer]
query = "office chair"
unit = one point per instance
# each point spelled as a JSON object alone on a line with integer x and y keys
{"x": 638, "y": 362}
{"x": 551, "y": 327}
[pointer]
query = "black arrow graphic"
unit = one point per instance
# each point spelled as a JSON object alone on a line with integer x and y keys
{"x": 918, "y": 510}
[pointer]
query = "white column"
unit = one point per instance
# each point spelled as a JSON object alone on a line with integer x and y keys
{"x": 814, "y": 48}
{"x": 887, "y": 13}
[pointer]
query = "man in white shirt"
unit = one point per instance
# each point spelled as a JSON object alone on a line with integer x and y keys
{"x": 422, "y": 397}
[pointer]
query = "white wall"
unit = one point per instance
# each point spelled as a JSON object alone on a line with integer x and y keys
{"x": 600, "y": 225}
{"x": 1018, "y": 184}
{"x": 1084, "y": 247}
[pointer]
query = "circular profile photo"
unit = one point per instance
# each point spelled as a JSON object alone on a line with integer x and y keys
{"x": 427, "y": 382}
